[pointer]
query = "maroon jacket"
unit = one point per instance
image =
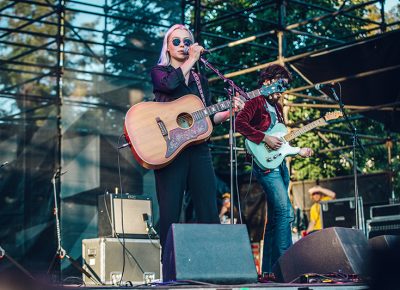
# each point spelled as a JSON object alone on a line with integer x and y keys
{"x": 254, "y": 119}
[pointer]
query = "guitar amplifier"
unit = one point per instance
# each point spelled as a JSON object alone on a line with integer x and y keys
{"x": 123, "y": 215}
{"x": 342, "y": 213}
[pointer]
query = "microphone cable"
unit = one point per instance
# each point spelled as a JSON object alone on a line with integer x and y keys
{"x": 122, "y": 210}
{"x": 236, "y": 175}
{"x": 118, "y": 237}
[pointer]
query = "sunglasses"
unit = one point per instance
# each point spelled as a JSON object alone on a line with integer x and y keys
{"x": 177, "y": 42}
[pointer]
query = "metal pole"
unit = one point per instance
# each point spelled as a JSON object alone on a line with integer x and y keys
{"x": 105, "y": 36}
{"x": 183, "y": 7}
{"x": 383, "y": 23}
{"x": 59, "y": 102}
{"x": 355, "y": 179}
{"x": 197, "y": 21}
{"x": 281, "y": 29}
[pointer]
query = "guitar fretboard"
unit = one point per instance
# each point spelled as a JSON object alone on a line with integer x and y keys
{"x": 210, "y": 110}
{"x": 306, "y": 128}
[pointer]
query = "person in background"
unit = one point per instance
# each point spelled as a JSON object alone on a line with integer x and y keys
{"x": 317, "y": 194}
{"x": 225, "y": 210}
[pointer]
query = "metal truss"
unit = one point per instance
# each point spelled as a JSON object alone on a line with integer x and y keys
{"x": 55, "y": 44}
{"x": 277, "y": 51}
{"x": 272, "y": 41}
{"x": 52, "y": 58}
{"x": 279, "y": 30}
{"x": 67, "y": 43}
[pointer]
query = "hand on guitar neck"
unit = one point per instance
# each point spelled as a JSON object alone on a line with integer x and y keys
{"x": 306, "y": 152}
{"x": 238, "y": 105}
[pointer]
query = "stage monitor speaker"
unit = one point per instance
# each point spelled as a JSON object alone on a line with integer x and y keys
{"x": 212, "y": 253}
{"x": 115, "y": 208}
{"x": 327, "y": 251}
{"x": 383, "y": 242}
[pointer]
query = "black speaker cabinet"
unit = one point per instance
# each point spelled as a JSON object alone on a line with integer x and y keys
{"x": 384, "y": 210}
{"x": 386, "y": 225}
{"x": 342, "y": 213}
{"x": 210, "y": 253}
{"x": 329, "y": 250}
{"x": 115, "y": 208}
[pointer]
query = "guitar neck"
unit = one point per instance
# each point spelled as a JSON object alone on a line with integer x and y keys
{"x": 222, "y": 106}
{"x": 305, "y": 129}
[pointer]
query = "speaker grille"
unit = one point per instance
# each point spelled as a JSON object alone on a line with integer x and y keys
{"x": 129, "y": 209}
{"x": 209, "y": 253}
{"x": 327, "y": 251}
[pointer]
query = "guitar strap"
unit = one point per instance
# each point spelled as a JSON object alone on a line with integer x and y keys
{"x": 198, "y": 83}
{"x": 280, "y": 117}
{"x": 275, "y": 116}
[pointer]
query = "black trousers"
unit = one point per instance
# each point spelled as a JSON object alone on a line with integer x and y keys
{"x": 191, "y": 171}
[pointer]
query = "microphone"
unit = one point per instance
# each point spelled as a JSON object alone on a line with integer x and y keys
{"x": 58, "y": 174}
{"x": 323, "y": 86}
{"x": 186, "y": 50}
{"x": 124, "y": 145}
{"x": 149, "y": 224}
{"x": 329, "y": 86}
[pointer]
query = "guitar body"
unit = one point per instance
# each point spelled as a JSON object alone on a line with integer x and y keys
{"x": 267, "y": 158}
{"x": 158, "y": 132}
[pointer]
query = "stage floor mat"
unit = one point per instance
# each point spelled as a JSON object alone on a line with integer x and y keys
{"x": 258, "y": 286}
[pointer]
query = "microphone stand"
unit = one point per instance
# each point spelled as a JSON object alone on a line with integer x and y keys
{"x": 355, "y": 141}
{"x": 3, "y": 254}
{"x": 61, "y": 252}
{"x": 231, "y": 94}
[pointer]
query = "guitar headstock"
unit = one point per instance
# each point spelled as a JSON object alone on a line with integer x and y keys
{"x": 278, "y": 86}
{"x": 333, "y": 115}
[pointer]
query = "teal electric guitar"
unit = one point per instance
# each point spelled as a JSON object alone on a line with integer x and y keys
{"x": 267, "y": 158}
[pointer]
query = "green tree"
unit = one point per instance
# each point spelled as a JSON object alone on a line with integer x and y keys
{"x": 138, "y": 28}
{"x": 309, "y": 36}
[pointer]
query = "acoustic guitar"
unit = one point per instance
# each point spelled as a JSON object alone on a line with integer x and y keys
{"x": 158, "y": 131}
{"x": 266, "y": 158}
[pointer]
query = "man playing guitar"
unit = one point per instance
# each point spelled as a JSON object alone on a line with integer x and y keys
{"x": 259, "y": 115}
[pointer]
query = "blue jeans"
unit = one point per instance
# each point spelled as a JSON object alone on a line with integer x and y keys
{"x": 277, "y": 236}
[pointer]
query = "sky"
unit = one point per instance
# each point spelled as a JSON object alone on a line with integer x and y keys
{"x": 389, "y": 4}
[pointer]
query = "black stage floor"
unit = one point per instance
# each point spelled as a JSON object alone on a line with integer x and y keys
{"x": 258, "y": 286}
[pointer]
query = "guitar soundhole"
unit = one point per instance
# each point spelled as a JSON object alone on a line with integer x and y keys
{"x": 184, "y": 120}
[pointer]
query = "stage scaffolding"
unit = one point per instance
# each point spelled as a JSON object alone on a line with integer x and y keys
{"x": 71, "y": 69}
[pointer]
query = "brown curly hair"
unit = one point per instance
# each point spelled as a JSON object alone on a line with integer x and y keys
{"x": 274, "y": 71}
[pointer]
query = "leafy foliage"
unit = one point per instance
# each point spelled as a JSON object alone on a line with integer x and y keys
{"x": 258, "y": 17}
